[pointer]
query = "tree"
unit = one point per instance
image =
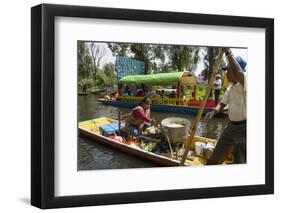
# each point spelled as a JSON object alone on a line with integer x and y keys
{"x": 97, "y": 52}
{"x": 109, "y": 69}
{"x": 119, "y": 49}
{"x": 183, "y": 57}
{"x": 210, "y": 54}
{"x": 159, "y": 58}
{"x": 143, "y": 52}
{"x": 84, "y": 61}
{"x": 106, "y": 76}
{"x": 147, "y": 53}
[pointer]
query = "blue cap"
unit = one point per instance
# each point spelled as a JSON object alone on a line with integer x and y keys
{"x": 242, "y": 63}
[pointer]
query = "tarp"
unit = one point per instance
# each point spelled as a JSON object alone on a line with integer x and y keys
{"x": 159, "y": 79}
{"x": 126, "y": 66}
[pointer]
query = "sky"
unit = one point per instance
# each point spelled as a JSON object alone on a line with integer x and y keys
{"x": 108, "y": 57}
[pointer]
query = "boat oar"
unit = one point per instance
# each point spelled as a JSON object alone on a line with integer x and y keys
{"x": 189, "y": 139}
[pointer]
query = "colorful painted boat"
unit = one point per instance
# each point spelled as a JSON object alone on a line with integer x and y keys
{"x": 158, "y": 107}
{"x": 177, "y": 104}
{"x": 94, "y": 128}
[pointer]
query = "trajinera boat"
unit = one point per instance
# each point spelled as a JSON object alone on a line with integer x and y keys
{"x": 177, "y": 104}
{"x": 151, "y": 146}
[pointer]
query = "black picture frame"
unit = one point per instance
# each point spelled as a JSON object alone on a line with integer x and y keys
{"x": 43, "y": 102}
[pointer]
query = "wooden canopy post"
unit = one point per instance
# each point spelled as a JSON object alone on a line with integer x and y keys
{"x": 194, "y": 92}
{"x": 178, "y": 90}
{"x": 120, "y": 86}
{"x": 189, "y": 138}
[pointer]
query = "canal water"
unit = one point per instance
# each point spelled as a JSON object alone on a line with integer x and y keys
{"x": 92, "y": 155}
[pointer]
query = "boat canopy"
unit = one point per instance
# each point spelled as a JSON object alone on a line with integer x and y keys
{"x": 159, "y": 79}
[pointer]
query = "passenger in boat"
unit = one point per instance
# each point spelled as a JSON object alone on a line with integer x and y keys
{"x": 115, "y": 96}
{"x": 162, "y": 94}
{"x": 139, "y": 119}
{"x": 157, "y": 94}
{"x": 172, "y": 95}
{"x": 84, "y": 87}
{"x": 233, "y": 138}
{"x": 149, "y": 93}
{"x": 217, "y": 88}
{"x": 127, "y": 91}
{"x": 140, "y": 93}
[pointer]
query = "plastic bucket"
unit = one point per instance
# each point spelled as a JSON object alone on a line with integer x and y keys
{"x": 200, "y": 148}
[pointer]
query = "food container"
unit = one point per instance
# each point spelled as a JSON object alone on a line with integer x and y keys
{"x": 176, "y": 128}
{"x": 200, "y": 148}
{"x": 208, "y": 153}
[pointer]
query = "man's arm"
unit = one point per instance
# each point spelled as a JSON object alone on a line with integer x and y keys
{"x": 235, "y": 67}
{"x": 216, "y": 83}
{"x": 220, "y": 106}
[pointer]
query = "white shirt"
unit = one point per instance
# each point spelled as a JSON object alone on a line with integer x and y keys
{"x": 235, "y": 98}
{"x": 217, "y": 84}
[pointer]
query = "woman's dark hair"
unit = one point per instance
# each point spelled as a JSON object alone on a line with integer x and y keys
{"x": 145, "y": 100}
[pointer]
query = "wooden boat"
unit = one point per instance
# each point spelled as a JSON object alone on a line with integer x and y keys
{"x": 92, "y": 129}
{"x": 178, "y": 104}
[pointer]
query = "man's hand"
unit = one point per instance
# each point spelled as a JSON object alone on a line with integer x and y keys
{"x": 225, "y": 49}
{"x": 210, "y": 115}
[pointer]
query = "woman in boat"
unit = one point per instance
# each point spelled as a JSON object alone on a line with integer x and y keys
{"x": 139, "y": 119}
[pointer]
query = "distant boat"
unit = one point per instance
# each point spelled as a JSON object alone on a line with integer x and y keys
{"x": 177, "y": 104}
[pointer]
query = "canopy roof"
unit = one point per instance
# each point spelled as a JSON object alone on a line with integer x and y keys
{"x": 159, "y": 79}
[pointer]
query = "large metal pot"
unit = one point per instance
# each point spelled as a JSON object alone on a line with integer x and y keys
{"x": 175, "y": 128}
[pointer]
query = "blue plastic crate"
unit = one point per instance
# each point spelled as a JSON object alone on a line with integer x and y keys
{"x": 109, "y": 129}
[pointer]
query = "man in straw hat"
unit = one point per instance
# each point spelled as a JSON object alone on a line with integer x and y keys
{"x": 233, "y": 138}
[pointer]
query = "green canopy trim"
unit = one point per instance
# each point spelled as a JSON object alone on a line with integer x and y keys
{"x": 155, "y": 79}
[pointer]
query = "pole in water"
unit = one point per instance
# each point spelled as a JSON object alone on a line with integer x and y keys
{"x": 189, "y": 139}
{"x": 119, "y": 121}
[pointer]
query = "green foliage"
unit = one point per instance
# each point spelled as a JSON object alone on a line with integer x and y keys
{"x": 110, "y": 70}
{"x": 183, "y": 57}
{"x": 89, "y": 82}
{"x": 119, "y": 49}
{"x": 84, "y": 61}
{"x": 89, "y": 73}
{"x": 159, "y": 58}
{"x": 142, "y": 52}
{"x": 106, "y": 76}
{"x": 210, "y": 55}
